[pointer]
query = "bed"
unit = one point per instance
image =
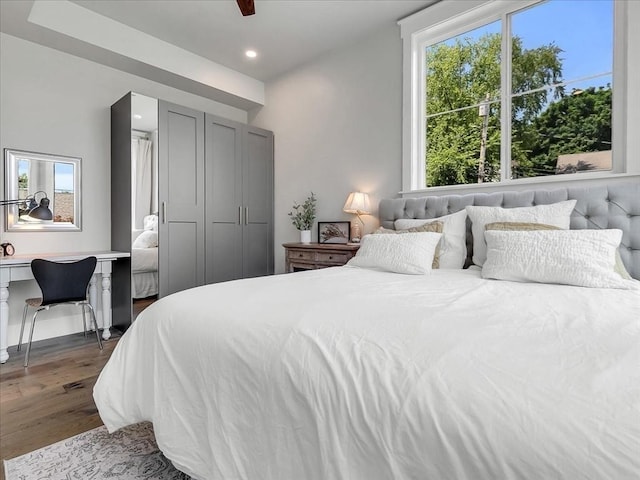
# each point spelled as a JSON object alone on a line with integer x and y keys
{"x": 144, "y": 259}
{"x": 359, "y": 373}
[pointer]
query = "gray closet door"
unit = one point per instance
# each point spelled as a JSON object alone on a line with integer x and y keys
{"x": 239, "y": 190}
{"x": 257, "y": 193}
{"x": 224, "y": 212}
{"x": 181, "y": 195}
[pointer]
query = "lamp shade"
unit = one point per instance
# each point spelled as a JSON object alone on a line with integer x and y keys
{"x": 358, "y": 203}
{"x": 42, "y": 211}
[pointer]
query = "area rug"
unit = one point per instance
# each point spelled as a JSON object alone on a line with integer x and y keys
{"x": 128, "y": 454}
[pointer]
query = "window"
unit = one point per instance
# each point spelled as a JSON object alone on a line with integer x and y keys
{"x": 513, "y": 90}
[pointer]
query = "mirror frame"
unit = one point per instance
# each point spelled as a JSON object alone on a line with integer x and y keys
{"x": 11, "y": 191}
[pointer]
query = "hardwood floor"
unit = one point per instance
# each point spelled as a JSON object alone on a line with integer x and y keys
{"x": 51, "y": 399}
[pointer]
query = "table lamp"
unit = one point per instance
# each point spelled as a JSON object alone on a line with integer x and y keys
{"x": 357, "y": 203}
{"x": 34, "y": 211}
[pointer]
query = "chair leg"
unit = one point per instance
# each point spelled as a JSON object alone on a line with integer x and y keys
{"x": 84, "y": 320}
{"x": 24, "y": 319}
{"x": 33, "y": 323}
{"x": 95, "y": 324}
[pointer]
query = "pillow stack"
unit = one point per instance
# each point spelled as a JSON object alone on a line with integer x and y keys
{"x": 435, "y": 227}
{"x": 534, "y": 244}
{"x": 410, "y": 253}
{"x": 555, "y": 214}
{"x": 407, "y": 249}
{"x": 453, "y": 246}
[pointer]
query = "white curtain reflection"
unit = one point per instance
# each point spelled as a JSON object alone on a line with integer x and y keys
{"x": 143, "y": 172}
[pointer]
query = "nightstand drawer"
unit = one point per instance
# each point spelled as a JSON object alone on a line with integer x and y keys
{"x": 338, "y": 258}
{"x": 301, "y": 255}
{"x": 311, "y": 256}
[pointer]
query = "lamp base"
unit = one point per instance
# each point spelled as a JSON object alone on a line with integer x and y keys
{"x": 356, "y": 236}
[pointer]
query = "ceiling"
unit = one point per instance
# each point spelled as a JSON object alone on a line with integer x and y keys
{"x": 285, "y": 33}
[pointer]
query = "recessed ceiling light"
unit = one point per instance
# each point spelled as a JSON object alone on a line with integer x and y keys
{"x": 251, "y": 53}
{"x": 137, "y": 116}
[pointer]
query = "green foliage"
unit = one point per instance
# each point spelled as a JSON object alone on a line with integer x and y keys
{"x": 23, "y": 181}
{"x": 304, "y": 215}
{"x": 580, "y": 122}
{"x": 466, "y": 73}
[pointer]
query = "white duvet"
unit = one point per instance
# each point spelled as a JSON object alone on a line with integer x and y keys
{"x": 353, "y": 374}
{"x": 144, "y": 259}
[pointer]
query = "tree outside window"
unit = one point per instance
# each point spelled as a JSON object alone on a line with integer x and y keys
{"x": 559, "y": 96}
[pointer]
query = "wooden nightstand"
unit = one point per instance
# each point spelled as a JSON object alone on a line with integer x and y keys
{"x": 310, "y": 256}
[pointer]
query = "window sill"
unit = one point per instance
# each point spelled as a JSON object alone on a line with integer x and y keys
{"x": 517, "y": 184}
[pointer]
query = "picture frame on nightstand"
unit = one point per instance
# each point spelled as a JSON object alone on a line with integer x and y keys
{"x": 334, "y": 232}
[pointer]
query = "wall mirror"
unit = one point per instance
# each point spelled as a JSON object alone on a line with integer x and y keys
{"x": 44, "y": 192}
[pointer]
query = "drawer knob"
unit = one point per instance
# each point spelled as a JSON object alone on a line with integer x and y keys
{"x": 330, "y": 257}
{"x": 300, "y": 255}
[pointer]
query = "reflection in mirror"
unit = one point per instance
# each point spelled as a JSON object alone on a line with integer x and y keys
{"x": 144, "y": 197}
{"x": 47, "y": 190}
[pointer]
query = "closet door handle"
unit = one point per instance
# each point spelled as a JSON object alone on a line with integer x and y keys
{"x": 164, "y": 212}
{"x": 240, "y": 215}
{"x": 246, "y": 215}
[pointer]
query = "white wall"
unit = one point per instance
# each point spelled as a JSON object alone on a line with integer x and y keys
{"x": 337, "y": 126}
{"x": 57, "y": 103}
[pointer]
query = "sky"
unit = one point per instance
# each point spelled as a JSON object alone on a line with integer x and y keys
{"x": 583, "y": 29}
{"x": 63, "y": 175}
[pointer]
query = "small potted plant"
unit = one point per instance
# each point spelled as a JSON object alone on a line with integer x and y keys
{"x": 303, "y": 216}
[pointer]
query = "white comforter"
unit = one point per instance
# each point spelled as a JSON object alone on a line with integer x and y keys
{"x": 354, "y": 374}
{"x": 144, "y": 260}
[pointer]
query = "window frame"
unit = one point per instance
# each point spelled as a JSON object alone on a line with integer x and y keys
{"x": 445, "y": 20}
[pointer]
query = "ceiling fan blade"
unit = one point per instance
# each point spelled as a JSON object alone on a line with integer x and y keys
{"x": 246, "y": 7}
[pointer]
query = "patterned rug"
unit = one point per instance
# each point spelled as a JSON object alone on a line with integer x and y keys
{"x": 128, "y": 454}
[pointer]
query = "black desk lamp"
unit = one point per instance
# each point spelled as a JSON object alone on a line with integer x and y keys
{"x": 34, "y": 210}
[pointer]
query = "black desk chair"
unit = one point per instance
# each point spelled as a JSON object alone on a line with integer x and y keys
{"x": 60, "y": 283}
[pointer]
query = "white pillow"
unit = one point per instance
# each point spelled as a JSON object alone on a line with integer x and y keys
{"x": 453, "y": 247}
{"x": 584, "y": 258}
{"x": 556, "y": 214}
{"x": 150, "y": 222}
{"x": 146, "y": 239}
{"x": 410, "y": 253}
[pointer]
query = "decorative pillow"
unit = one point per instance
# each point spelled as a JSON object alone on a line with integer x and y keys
{"x": 427, "y": 227}
{"x": 519, "y": 226}
{"x": 523, "y": 227}
{"x": 410, "y": 253}
{"x": 556, "y": 214}
{"x": 150, "y": 222}
{"x": 146, "y": 239}
{"x": 453, "y": 246}
{"x": 571, "y": 257}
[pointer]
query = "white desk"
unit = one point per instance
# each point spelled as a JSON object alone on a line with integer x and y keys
{"x": 18, "y": 267}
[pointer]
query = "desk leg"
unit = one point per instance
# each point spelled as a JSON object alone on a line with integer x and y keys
{"x": 4, "y": 321}
{"x": 106, "y": 305}
{"x": 93, "y": 297}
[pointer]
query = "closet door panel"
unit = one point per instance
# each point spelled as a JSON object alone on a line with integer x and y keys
{"x": 224, "y": 212}
{"x": 181, "y": 235}
{"x": 224, "y": 252}
{"x": 258, "y": 199}
{"x": 182, "y": 199}
{"x": 258, "y": 175}
{"x": 258, "y": 250}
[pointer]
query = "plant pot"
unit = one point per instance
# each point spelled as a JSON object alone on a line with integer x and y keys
{"x": 305, "y": 236}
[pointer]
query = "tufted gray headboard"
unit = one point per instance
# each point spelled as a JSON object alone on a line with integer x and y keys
{"x": 614, "y": 206}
